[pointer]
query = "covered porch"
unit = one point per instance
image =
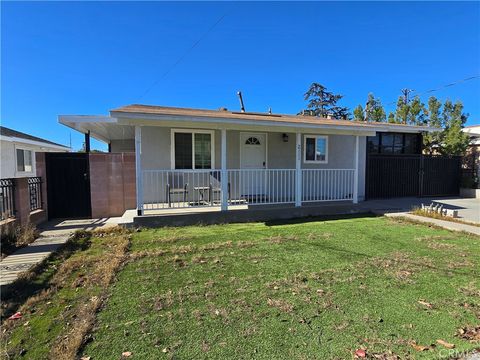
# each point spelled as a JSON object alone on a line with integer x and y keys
{"x": 231, "y": 169}
{"x": 217, "y": 160}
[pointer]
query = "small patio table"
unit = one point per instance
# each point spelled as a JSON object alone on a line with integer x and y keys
{"x": 203, "y": 192}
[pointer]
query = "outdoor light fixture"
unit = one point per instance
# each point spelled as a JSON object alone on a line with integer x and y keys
{"x": 285, "y": 137}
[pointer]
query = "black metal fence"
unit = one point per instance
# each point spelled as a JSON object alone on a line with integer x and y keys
{"x": 389, "y": 176}
{"x": 7, "y": 199}
{"x": 35, "y": 193}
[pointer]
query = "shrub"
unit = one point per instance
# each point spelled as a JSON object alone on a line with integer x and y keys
{"x": 19, "y": 237}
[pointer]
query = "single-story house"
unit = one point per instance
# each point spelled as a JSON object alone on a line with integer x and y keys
{"x": 18, "y": 152}
{"x": 232, "y": 159}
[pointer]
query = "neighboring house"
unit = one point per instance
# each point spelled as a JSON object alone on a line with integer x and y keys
{"x": 231, "y": 159}
{"x": 472, "y": 158}
{"x": 18, "y": 152}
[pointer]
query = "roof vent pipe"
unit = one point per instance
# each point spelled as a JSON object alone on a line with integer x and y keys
{"x": 242, "y": 107}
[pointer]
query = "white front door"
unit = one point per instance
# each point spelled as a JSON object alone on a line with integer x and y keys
{"x": 253, "y": 158}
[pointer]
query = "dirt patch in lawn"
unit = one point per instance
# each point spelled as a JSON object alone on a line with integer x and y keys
{"x": 81, "y": 281}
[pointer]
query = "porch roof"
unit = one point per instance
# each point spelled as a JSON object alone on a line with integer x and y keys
{"x": 138, "y": 112}
{"x": 120, "y": 124}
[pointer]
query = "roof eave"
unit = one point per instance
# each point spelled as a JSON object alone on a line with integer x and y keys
{"x": 34, "y": 142}
{"x": 127, "y": 117}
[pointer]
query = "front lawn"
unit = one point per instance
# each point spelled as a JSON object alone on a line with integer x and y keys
{"x": 298, "y": 290}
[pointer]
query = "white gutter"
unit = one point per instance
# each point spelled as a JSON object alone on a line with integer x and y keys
{"x": 65, "y": 119}
{"x": 76, "y": 122}
{"x": 33, "y": 142}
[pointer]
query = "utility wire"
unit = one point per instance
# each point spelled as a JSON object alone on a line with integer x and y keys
{"x": 180, "y": 59}
{"x": 440, "y": 88}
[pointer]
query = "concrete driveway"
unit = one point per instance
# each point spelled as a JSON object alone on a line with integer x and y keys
{"x": 468, "y": 209}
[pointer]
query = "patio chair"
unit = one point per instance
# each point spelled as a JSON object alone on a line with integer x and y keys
{"x": 215, "y": 186}
{"x": 176, "y": 185}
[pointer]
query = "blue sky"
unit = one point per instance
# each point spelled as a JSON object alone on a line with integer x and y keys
{"x": 90, "y": 57}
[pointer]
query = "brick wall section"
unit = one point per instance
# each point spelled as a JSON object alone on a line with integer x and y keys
{"x": 112, "y": 184}
{"x": 42, "y": 172}
{"x": 23, "y": 216}
{"x": 22, "y": 200}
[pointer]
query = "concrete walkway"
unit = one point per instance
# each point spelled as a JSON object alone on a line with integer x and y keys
{"x": 449, "y": 225}
{"x": 468, "y": 209}
{"x": 53, "y": 235}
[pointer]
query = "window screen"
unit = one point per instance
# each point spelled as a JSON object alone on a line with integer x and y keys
{"x": 310, "y": 149}
{"x": 315, "y": 149}
{"x": 203, "y": 151}
{"x": 28, "y": 160}
{"x": 20, "y": 160}
{"x": 183, "y": 150}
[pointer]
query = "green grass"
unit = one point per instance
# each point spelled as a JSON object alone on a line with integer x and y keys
{"x": 304, "y": 289}
{"x": 60, "y": 298}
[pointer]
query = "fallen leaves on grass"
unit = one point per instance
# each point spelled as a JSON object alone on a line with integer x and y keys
{"x": 445, "y": 344}
{"x": 223, "y": 313}
{"x": 280, "y": 304}
{"x": 164, "y": 301}
{"x": 403, "y": 274}
{"x": 469, "y": 333}
{"x": 385, "y": 356}
{"x": 426, "y": 304}
{"x": 420, "y": 348}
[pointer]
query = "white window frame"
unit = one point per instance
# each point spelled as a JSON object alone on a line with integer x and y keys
{"x": 305, "y": 149}
{"x": 193, "y": 132}
{"x": 32, "y": 154}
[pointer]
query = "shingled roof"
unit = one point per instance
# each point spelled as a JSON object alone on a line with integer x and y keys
{"x": 4, "y": 131}
{"x": 254, "y": 116}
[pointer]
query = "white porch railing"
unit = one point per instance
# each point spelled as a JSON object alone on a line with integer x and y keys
{"x": 180, "y": 188}
{"x": 163, "y": 189}
{"x": 261, "y": 186}
{"x": 327, "y": 184}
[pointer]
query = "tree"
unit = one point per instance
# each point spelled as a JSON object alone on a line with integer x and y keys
{"x": 451, "y": 140}
{"x": 455, "y": 141}
{"x": 323, "y": 103}
{"x": 391, "y": 117}
{"x": 374, "y": 110}
{"x": 358, "y": 113}
{"x": 401, "y": 114}
{"x": 433, "y": 140}
{"x": 417, "y": 112}
{"x": 411, "y": 113}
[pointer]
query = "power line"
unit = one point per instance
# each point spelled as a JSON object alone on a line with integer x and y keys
{"x": 180, "y": 59}
{"x": 435, "y": 89}
{"x": 449, "y": 85}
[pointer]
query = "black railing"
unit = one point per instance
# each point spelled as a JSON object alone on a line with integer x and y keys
{"x": 35, "y": 192}
{"x": 7, "y": 199}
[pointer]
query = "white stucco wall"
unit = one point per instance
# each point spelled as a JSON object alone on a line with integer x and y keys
{"x": 8, "y": 158}
{"x": 127, "y": 145}
{"x": 156, "y": 148}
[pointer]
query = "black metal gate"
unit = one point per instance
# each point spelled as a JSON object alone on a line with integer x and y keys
{"x": 389, "y": 176}
{"x": 68, "y": 185}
